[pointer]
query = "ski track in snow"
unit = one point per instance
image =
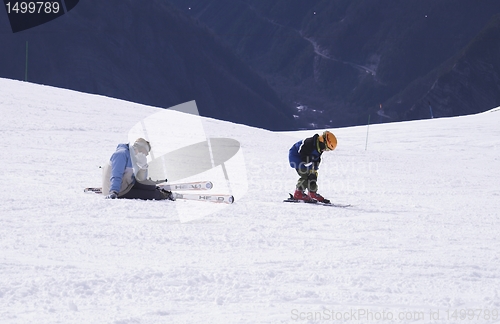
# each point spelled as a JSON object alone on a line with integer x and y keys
{"x": 422, "y": 234}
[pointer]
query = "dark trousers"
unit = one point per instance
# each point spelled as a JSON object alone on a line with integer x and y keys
{"x": 308, "y": 180}
{"x": 144, "y": 192}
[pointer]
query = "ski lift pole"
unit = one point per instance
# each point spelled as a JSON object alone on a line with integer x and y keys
{"x": 367, "y": 129}
{"x": 26, "y": 66}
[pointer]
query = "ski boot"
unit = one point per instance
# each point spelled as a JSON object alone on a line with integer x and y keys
{"x": 167, "y": 194}
{"x": 316, "y": 196}
{"x": 300, "y": 195}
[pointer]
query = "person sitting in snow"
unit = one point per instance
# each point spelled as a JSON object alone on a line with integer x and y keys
{"x": 125, "y": 176}
{"x": 305, "y": 157}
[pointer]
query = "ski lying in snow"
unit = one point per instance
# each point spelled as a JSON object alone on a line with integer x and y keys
{"x": 215, "y": 198}
{"x": 93, "y": 190}
{"x": 315, "y": 202}
{"x": 200, "y": 185}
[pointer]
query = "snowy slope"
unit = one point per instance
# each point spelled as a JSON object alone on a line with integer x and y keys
{"x": 420, "y": 241}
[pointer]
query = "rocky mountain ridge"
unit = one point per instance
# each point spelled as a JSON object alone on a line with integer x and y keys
{"x": 341, "y": 59}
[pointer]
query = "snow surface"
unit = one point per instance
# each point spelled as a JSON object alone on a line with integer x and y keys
{"x": 421, "y": 237}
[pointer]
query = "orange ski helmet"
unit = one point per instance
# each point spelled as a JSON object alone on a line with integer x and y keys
{"x": 329, "y": 140}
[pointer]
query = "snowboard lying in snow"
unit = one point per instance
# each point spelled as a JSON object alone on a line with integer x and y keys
{"x": 315, "y": 202}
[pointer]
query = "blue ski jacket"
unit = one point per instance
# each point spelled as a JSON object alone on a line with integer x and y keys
{"x": 305, "y": 154}
{"x": 120, "y": 161}
{"x": 118, "y": 174}
{"x": 122, "y": 172}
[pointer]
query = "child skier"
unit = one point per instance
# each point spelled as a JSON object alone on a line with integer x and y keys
{"x": 305, "y": 157}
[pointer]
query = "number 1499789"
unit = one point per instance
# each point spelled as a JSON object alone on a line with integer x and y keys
{"x": 34, "y": 7}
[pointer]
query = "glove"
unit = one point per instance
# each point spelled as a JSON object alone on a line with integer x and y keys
{"x": 141, "y": 160}
{"x": 112, "y": 195}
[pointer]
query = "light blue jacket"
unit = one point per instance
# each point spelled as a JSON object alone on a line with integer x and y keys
{"x": 120, "y": 161}
{"x": 122, "y": 172}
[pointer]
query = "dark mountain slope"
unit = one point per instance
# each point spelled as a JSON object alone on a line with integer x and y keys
{"x": 465, "y": 84}
{"x": 146, "y": 52}
{"x": 344, "y": 57}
